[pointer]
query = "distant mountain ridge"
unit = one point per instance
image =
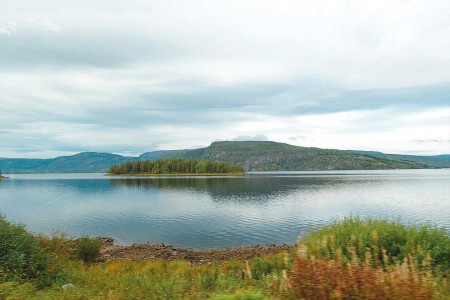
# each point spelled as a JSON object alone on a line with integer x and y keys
{"x": 85, "y": 162}
{"x": 252, "y": 155}
{"x": 440, "y": 161}
{"x": 273, "y": 156}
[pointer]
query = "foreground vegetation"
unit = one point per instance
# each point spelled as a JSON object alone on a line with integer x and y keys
{"x": 350, "y": 259}
{"x": 175, "y": 167}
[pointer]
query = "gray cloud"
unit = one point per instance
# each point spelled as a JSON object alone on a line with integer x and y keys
{"x": 431, "y": 141}
{"x": 298, "y": 138}
{"x": 130, "y": 77}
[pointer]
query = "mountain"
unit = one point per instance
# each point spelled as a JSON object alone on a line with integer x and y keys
{"x": 252, "y": 155}
{"x": 84, "y": 162}
{"x": 185, "y": 153}
{"x": 439, "y": 161}
{"x": 272, "y": 156}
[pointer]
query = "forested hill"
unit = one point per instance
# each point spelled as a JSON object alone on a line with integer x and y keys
{"x": 272, "y": 156}
{"x": 253, "y": 156}
{"x": 84, "y": 162}
{"x": 440, "y": 161}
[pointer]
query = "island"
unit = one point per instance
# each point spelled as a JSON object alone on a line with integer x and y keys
{"x": 176, "y": 167}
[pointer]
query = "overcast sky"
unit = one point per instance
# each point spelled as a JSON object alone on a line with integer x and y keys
{"x": 134, "y": 76}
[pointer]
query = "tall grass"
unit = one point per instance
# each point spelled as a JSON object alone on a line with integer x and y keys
{"x": 387, "y": 242}
{"x": 147, "y": 280}
{"x": 313, "y": 278}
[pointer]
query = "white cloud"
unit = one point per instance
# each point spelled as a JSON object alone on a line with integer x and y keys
{"x": 142, "y": 75}
{"x": 8, "y": 28}
{"x": 257, "y": 137}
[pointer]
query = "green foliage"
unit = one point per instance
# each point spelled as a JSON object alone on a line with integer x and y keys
{"x": 175, "y": 166}
{"x": 88, "y": 249}
{"x": 386, "y": 241}
{"x": 21, "y": 257}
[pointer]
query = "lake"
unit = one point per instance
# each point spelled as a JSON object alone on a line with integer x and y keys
{"x": 209, "y": 212}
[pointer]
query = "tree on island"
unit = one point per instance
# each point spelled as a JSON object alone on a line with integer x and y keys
{"x": 175, "y": 166}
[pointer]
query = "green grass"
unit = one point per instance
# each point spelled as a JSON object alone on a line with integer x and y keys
{"x": 385, "y": 240}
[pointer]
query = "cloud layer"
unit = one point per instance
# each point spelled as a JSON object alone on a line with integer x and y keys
{"x": 130, "y": 77}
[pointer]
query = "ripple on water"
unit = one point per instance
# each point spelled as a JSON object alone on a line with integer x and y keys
{"x": 222, "y": 213}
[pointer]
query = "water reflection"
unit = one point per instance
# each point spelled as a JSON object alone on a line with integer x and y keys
{"x": 232, "y": 188}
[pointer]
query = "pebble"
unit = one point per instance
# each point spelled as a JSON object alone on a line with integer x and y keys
{"x": 67, "y": 286}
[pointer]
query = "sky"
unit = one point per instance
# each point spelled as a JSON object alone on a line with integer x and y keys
{"x": 133, "y": 76}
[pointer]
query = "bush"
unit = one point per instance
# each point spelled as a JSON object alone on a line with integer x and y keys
{"x": 88, "y": 249}
{"x": 386, "y": 241}
{"x": 21, "y": 257}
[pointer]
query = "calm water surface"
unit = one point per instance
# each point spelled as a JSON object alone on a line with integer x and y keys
{"x": 206, "y": 212}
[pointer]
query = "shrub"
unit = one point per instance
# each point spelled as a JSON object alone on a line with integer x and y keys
{"x": 88, "y": 249}
{"x": 21, "y": 257}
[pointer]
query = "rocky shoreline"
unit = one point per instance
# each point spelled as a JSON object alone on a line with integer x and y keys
{"x": 138, "y": 252}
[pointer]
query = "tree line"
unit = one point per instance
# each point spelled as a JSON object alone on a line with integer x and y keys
{"x": 175, "y": 166}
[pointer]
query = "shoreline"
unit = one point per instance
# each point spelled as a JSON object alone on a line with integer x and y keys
{"x": 138, "y": 252}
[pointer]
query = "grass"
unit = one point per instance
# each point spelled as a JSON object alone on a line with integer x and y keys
{"x": 325, "y": 265}
{"x": 387, "y": 242}
{"x": 325, "y": 279}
